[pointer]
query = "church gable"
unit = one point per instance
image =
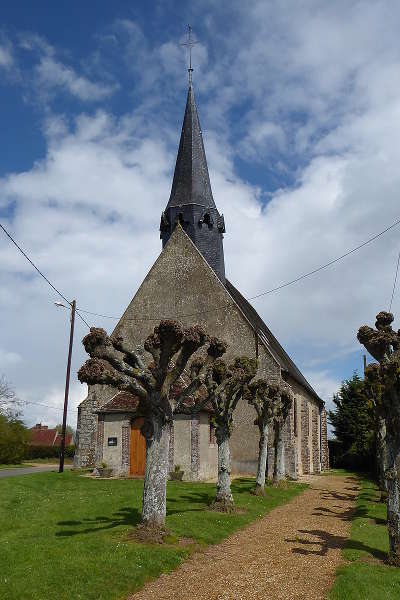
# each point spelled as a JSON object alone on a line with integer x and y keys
{"x": 182, "y": 286}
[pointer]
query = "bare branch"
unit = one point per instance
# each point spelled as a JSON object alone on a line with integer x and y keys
{"x": 99, "y": 371}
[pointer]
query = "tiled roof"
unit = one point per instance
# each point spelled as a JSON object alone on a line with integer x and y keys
{"x": 126, "y": 402}
{"x": 121, "y": 402}
{"x": 269, "y": 339}
{"x": 49, "y": 437}
{"x": 43, "y": 437}
{"x": 68, "y": 439}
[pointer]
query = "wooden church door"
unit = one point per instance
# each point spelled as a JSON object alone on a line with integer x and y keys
{"x": 138, "y": 449}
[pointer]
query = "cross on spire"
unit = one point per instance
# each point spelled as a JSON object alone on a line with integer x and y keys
{"x": 189, "y": 45}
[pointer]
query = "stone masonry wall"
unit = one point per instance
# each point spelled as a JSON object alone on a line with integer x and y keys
{"x": 324, "y": 442}
{"x": 316, "y": 459}
{"x": 86, "y": 431}
{"x": 182, "y": 285}
{"x": 305, "y": 449}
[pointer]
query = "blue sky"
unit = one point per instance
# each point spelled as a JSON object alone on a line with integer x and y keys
{"x": 300, "y": 113}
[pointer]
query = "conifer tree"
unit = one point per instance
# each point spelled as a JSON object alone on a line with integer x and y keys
{"x": 353, "y": 423}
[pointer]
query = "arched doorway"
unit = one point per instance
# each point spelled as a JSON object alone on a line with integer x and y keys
{"x": 138, "y": 449}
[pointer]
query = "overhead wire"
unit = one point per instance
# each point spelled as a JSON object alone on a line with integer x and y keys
{"x": 215, "y": 309}
{"x": 275, "y": 289}
{"x": 39, "y": 271}
{"x": 395, "y": 282}
{"x": 331, "y": 262}
{"x": 48, "y": 406}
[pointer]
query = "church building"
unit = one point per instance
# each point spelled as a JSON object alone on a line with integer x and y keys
{"x": 187, "y": 282}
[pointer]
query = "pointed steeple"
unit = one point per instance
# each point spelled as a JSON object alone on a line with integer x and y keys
{"x": 191, "y": 183}
{"x": 191, "y": 202}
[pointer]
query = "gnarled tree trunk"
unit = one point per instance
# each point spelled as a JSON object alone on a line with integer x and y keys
{"x": 224, "y": 494}
{"x": 154, "y": 505}
{"x": 392, "y": 477}
{"x": 381, "y": 456}
{"x": 279, "y": 462}
{"x": 262, "y": 460}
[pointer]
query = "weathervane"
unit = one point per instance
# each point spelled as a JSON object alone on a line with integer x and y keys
{"x": 189, "y": 44}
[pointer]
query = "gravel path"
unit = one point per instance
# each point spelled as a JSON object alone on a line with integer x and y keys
{"x": 293, "y": 552}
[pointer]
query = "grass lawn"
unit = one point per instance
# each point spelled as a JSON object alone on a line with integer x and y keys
{"x": 18, "y": 466}
{"x": 65, "y": 536}
{"x": 366, "y": 577}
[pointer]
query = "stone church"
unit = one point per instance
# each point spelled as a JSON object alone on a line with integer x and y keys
{"x": 187, "y": 282}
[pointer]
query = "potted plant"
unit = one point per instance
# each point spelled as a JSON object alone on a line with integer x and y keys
{"x": 176, "y": 474}
{"x": 104, "y": 470}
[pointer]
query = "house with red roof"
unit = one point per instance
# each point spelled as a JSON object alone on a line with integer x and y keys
{"x": 43, "y": 436}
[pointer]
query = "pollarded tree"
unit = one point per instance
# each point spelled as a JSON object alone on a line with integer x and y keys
{"x": 272, "y": 402}
{"x": 258, "y": 395}
{"x": 384, "y": 345}
{"x": 283, "y": 399}
{"x": 112, "y": 363}
{"x": 225, "y": 385}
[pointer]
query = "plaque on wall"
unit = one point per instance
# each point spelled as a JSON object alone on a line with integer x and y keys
{"x": 112, "y": 441}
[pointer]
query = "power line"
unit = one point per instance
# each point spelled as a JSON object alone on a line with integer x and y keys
{"x": 47, "y": 405}
{"x": 39, "y": 271}
{"x": 335, "y": 260}
{"x": 275, "y": 289}
{"x": 395, "y": 281}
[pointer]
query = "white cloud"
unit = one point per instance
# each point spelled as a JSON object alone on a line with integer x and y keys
{"x": 54, "y": 75}
{"x": 321, "y": 82}
{"x": 324, "y": 384}
{"x": 48, "y": 410}
{"x": 8, "y": 358}
{"x": 51, "y": 75}
{"x": 6, "y": 58}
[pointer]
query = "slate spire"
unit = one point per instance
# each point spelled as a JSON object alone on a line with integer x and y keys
{"x": 191, "y": 183}
{"x": 191, "y": 201}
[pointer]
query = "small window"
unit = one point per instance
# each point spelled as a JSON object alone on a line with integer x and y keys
{"x": 112, "y": 441}
{"x": 295, "y": 416}
{"x": 207, "y": 220}
{"x": 180, "y": 219}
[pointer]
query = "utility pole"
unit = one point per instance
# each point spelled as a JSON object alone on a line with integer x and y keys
{"x": 64, "y": 424}
{"x": 365, "y": 362}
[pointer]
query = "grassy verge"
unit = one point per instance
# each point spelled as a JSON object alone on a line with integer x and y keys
{"x": 366, "y": 576}
{"x": 48, "y": 461}
{"x": 65, "y": 536}
{"x": 37, "y": 461}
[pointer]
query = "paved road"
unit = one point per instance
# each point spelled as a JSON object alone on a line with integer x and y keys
{"x": 28, "y": 470}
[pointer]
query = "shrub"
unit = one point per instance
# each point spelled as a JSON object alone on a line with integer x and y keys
{"x": 14, "y": 438}
{"x": 33, "y": 452}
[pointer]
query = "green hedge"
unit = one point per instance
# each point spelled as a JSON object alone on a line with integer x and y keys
{"x": 14, "y": 437}
{"x": 33, "y": 452}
